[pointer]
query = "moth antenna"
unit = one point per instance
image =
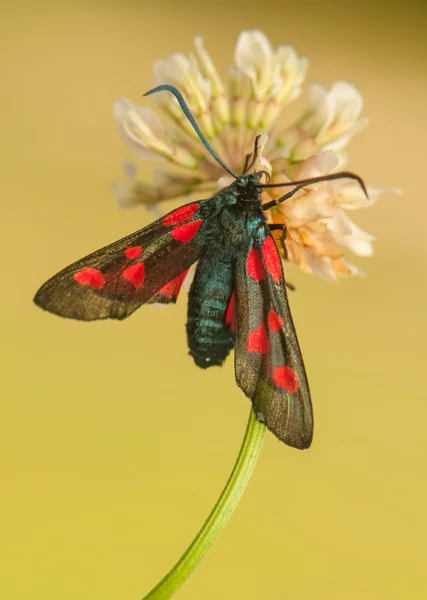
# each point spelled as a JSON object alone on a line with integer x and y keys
{"x": 254, "y": 155}
{"x": 245, "y": 166}
{"x": 311, "y": 180}
{"x": 187, "y": 113}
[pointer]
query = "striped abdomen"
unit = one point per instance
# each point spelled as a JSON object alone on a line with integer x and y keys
{"x": 210, "y": 339}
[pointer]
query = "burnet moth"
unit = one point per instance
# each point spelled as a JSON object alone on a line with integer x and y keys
{"x": 237, "y": 298}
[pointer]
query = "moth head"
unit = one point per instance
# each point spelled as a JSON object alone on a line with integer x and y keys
{"x": 246, "y": 181}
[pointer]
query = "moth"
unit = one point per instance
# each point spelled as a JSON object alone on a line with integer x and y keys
{"x": 237, "y": 299}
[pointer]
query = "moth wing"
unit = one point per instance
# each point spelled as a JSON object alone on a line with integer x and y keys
{"x": 169, "y": 293}
{"x": 268, "y": 362}
{"x": 117, "y": 279}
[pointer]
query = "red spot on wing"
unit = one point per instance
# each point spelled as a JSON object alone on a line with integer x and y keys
{"x": 171, "y": 289}
{"x": 272, "y": 259}
{"x": 230, "y": 317}
{"x": 91, "y": 277}
{"x": 258, "y": 340}
{"x": 185, "y": 233}
{"x": 181, "y": 214}
{"x": 135, "y": 274}
{"x": 275, "y": 322}
{"x": 286, "y": 378}
{"x": 254, "y": 265}
{"x": 133, "y": 252}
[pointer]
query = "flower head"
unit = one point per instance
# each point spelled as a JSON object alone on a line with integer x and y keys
{"x": 231, "y": 113}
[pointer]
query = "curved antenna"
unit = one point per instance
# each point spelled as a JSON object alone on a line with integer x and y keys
{"x": 311, "y": 180}
{"x": 187, "y": 113}
{"x": 254, "y": 156}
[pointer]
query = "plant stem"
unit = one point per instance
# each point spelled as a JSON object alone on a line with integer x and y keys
{"x": 222, "y": 511}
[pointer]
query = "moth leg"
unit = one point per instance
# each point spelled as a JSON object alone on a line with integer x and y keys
{"x": 282, "y": 227}
{"x": 269, "y": 205}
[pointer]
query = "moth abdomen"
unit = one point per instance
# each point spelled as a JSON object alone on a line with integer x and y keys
{"x": 210, "y": 338}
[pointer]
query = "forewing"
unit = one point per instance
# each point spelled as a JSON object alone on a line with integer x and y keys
{"x": 268, "y": 362}
{"x": 169, "y": 293}
{"x": 114, "y": 281}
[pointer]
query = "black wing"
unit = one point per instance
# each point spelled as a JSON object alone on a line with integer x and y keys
{"x": 149, "y": 265}
{"x": 268, "y": 362}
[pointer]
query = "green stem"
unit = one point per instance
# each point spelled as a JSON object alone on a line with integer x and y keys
{"x": 222, "y": 511}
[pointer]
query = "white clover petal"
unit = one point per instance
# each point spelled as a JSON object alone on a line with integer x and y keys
{"x": 321, "y": 265}
{"x": 360, "y": 242}
{"x": 183, "y": 73}
{"x": 149, "y": 120}
{"x": 132, "y": 196}
{"x": 171, "y": 69}
{"x": 360, "y": 247}
{"x": 293, "y": 69}
{"x": 208, "y": 66}
{"x": 319, "y": 113}
{"x": 253, "y": 53}
{"x": 273, "y": 74}
{"x": 342, "y": 156}
{"x": 224, "y": 181}
{"x": 338, "y": 144}
{"x": 141, "y": 129}
{"x": 333, "y": 114}
{"x": 357, "y": 240}
{"x": 302, "y": 209}
{"x": 131, "y": 193}
{"x": 239, "y": 95}
{"x": 347, "y": 101}
{"x": 175, "y": 184}
{"x": 353, "y": 269}
{"x": 349, "y": 195}
{"x": 262, "y": 80}
{"x": 239, "y": 82}
{"x": 375, "y": 191}
{"x": 338, "y": 221}
{"x": 218, "y": 101}
{"x": 321, "y": 163}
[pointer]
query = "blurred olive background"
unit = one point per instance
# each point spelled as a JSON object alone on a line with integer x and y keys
{"x": 114, "y": 446}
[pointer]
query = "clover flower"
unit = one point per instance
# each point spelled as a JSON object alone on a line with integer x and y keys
{"x": 252, "y": 101}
